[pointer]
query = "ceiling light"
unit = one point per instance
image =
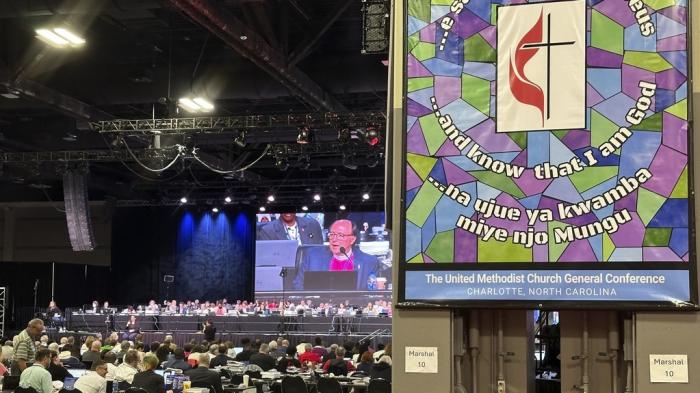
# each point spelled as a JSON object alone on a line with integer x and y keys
{"x": 228, "y": 199}
{"x": 244, "y": 37}
{"x": 365, "y": 196}
{"x": 341, "y": 207}
{"x": 317, "y": 197}
{"x": 59, "y": 37}
{"x": 270, "y": 198}
{"x": 215, "y": 209}
{"x": 305, "y": 208}
{"x": 204, "y": 104}
{"x": 183, "y": 200}
{"x": 10, "y": 95}
{"x": 304, "y": 135}
{"x": 262, "y": 208}
{"x": 70, "y": 137}
{"x": 198, "y": 104}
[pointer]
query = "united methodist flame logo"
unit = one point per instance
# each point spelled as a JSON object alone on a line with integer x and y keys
{"x": 533, "y": 75}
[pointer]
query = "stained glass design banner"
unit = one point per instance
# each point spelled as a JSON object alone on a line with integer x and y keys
{"x": 547, "y": 151}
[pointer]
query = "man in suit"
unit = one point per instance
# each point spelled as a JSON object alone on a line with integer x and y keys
{"x": 304, "y": 230}
{"x": 341, "y": 255}
{"x": 203, "y": 376}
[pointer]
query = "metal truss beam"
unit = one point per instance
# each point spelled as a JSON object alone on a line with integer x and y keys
{"x": 68, "y": 156}
{"x": 221, "y": 124}
{"x": 251, "y": 45}
{"x": 306, "y": 46}
{"x": 3, "y": 309}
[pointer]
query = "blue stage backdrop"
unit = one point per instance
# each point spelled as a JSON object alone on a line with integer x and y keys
{"x": 210, "y": 255}
{"x": 213, "y": 257}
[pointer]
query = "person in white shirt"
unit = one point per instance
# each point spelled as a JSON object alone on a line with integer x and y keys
{"x": 127, "y": 370}
{"x": 94, "y": 381}
{"x": 37, "y": 376}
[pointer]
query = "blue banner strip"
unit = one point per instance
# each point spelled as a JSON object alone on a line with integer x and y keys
{"x": 554, "y": 285}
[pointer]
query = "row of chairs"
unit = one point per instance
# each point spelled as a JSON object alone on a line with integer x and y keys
{"x": 331, "y": 385}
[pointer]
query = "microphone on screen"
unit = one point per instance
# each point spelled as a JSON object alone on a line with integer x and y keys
{"x": 342, "y": 251}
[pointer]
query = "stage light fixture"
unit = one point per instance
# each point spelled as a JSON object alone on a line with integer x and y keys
{"x": 215, "y": 209}
{"x": 317, "y": 197}
{"x": 183, "y": 200}
{"x": 262, "y": 208}
{"x": 304, "y": 135}
{"x": 372, "y": 136}
{"x": 305, "y": 208}
{"x": 240, "y": 139}
{"x": 365, "y": 196}
{"x": 197, "y": 104}
{"x": 270, "y": 198}
{"x": 228, "y": 199}
{"x": 60, "y": 37}
{"x": 282, "y": 163}
{"x": 341, "y": 207}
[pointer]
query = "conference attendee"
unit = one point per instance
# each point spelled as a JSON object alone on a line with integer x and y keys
{"x": 128, "y": 368}
{"x": 282, "y": 347}
{"x": 221, "y": 358}
{"x": 123, "y": 349}
{"x": 37, "y": 376}
{"x": 330, "y": 354}
{"x": 110, "y": 358}
{"x": 148, "y": 379}
{"x": 94, "y": 308}
{"x": 93, "y": 381}
{"x": 106, "y": 309}
{"x": 209, "y": 331}
{"x": 56, "y": 369}
{"x": 94, "y": 354}
{"x": 132, "y": 329}
{"x": 338, "y": 366}
{"x": 24, "y": 347}
{"x": 289, "y": 226}
{"x": 178, "y": 360}
{"x": 53, "y": 310}
{"x": 318, "y": 348}
{"x": 366, "y": 363}
{"x": 203, "y": 376}
{"x": 7, "y": 351}
{"x": 381, "y": 369}
{"x": 162, "y": 352}
{"x": 288, "y": 360}
{"x": 309, "y": 356}
{"x": 342, "y": 254}
{"x": 247, "y": 351}
{"x": 86, "y": 345}
{"x": 263, "y": 358}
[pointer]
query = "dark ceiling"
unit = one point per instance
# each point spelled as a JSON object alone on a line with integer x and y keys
{"x": 270, "y": 66}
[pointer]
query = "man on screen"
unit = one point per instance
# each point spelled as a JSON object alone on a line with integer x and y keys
{"x": 341, "y": 255}
{"x": 290, "y": 227}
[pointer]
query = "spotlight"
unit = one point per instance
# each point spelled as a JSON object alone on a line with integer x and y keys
{"x": 317, "y": 197}
{"x": 197, "y": 104}
{"x": 365, "y": 196}
{"x": 305, "y": 208}
{"x": 304, "y": 135}
{"x": 228, "y": 199}
{"x": 215, "y": 209}
{"x": 341, "y": 207}
{"x": 270, "y": 198}
{"x": 262, "y": 208}
{"x": 183, "y": 200}
{"x": 59, "y": 37}
{"x": 282, "y": 163}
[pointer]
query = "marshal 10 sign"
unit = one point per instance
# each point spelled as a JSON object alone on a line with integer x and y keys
{"x": 547, "y": 154}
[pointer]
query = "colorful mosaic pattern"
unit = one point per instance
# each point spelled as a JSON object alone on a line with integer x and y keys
{"x": 459, "y": 80}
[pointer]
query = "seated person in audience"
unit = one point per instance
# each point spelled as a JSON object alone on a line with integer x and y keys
{"x": 148, "y": 379}
{"x": 318, "y": 348}
{"x": 309, "y": 355}
{"x": 56, "y": 369}
{"x": 263, "y": 359}
{"x": 94, "y": 353}
{"x": 338, "y": 366}
{"x": 288, "y": 360}
{"x": 162, "y": 352}
{"x": 123, "y": 349}
{"x": 221, "y": 359}
{"x": 37, "y": 376}
{"x": 129, "y": 368}
{"x": 282, "y": 347}
{"x": 341, "y": 255}
{"x": 178, "y": 360}
{"x": 93, "y": 381}
{"x": 330, "y": 354}
{"x": 366, "y": 363}
{"x": 132, "y": 329}
{"x": 193, "y": 359}
{"x": 110, "y": 358}
{"x": 272, "y": 346}
{"x": 247, "y": 351}
{"x": 7, "y": 351}
{"x": 203, "y": 376}
{"x": 381, "y": 369}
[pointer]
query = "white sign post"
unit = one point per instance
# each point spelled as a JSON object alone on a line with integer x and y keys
{"x": 668, "y": 368}
{"x": 422, "y": 360}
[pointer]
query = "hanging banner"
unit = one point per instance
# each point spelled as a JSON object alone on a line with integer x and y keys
{"x": 546, "y": 155}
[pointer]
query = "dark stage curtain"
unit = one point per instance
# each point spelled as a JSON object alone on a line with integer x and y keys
{"x": 209, "y": 254}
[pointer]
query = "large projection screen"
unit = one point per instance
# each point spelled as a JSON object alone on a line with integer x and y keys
{"x": 546, "y": 155}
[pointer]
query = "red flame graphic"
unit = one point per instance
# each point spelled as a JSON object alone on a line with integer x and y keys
{"x": 523, "y": 89}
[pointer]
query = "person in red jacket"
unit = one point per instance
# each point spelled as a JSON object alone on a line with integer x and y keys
{"x": 309, "y": 356}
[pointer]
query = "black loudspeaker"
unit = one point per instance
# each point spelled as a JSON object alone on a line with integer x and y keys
{"x": 75, "y": 197}
{"x": 168, "y": 278}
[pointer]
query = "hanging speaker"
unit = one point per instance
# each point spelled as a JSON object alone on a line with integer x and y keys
{"x": 75, "y": 197}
